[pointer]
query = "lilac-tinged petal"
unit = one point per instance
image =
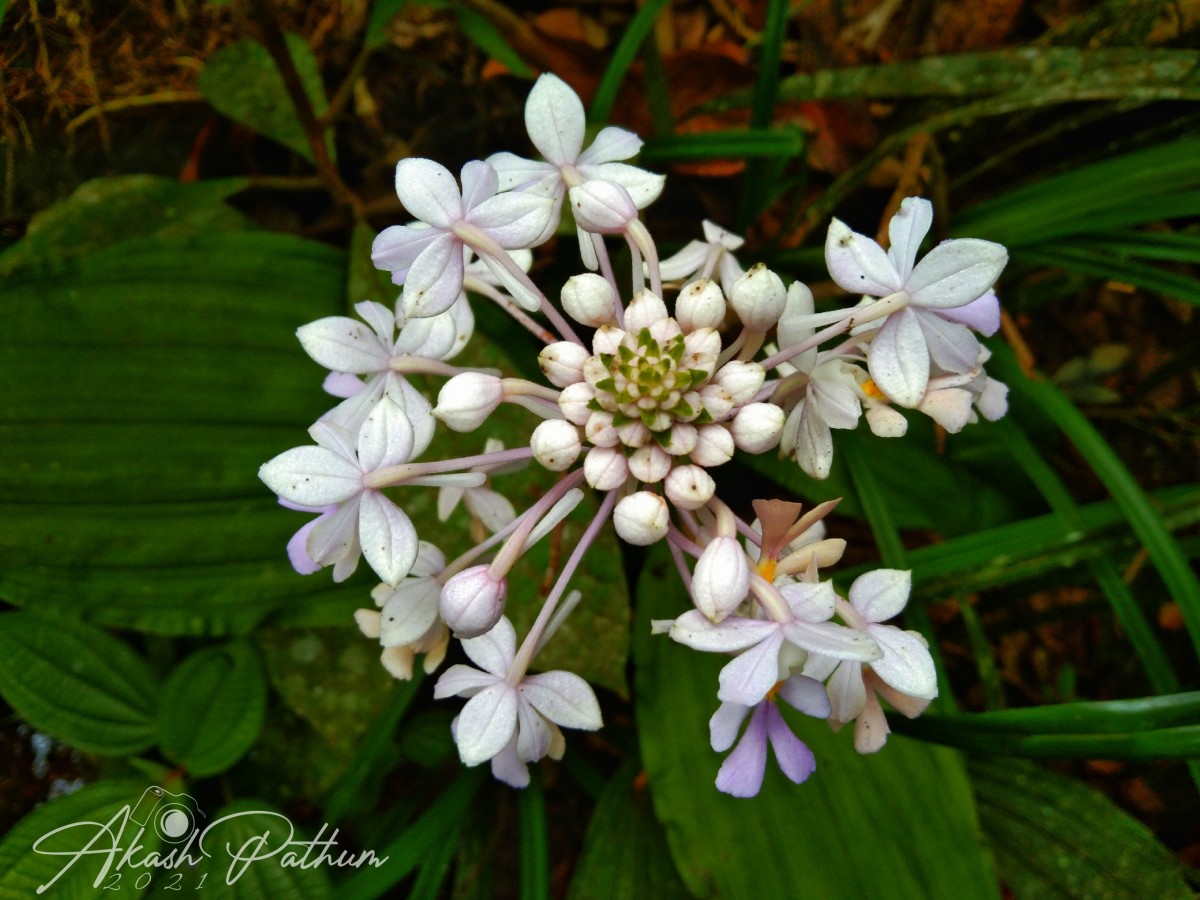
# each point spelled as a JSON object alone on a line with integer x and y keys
{"x": 349, "y": 415}
{"x": 742, "y": 772}
{"x": 982, "y": 315}
{"x": 435, "y": 279}
{"x": 486, "y": 724}
{"x": 313, "y": 476}
{"x": 388, "y": 538}
{"x": 807, "y": 695}
{"x": 429, "y": 192}
{"x": 342, "y": 384}
{"x": 344, "y": 345}
{"x": 829, "y": 639}
{"x": 907, "y": 229}
{"x": 724, "y": 724}
{"x": 386, "y": 436}
{"x": 858, "y": 264}
{"x": 462, "y": 681}
{"x": 685, "y": 263}
{"x": 564, "y": 698}
{"x": 881, "y": 594}
{"x": 555, "y": 120}
{"x": 695, "y": 630}
{"x": 335, "y": 537}
{"x": 346, "y": 566}
{"x": 520, "y": 174}
{"x": 494, "y": 652}
{"x": 899, "y": 360}
{"x": 955, "y": 272}
{"x": 819, "y": 667}
{"x": 749, "y": 677}
{"x": 494, "y": 510}
{"x": 298, "y": 552}
{"x": 952, "y": 347}
{"x": 847, "y": 696}
{"x": 508, "y": 767}
{"x": 533, "y": 734}
{"x": 479, "y": 182}
{"x": 810, "y": 602}
{"x": 395, "y": 248}
{"x": 515, "y": 221}
{"x": 906, "y": 665}
{"x": 611, "y": 144}
{"x": 643, "y": 187}
{"x": 795, "y": 760}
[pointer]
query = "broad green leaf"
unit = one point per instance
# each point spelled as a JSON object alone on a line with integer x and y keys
{"x": 104, "y": 211}
{"x": 129, "y": 476}
{"x": 1054, "y": 837}
{"x": 77, "y": 683}
{"x": 266, "y": 867}
{"x": 903, "y": 818}
{"x": 242, "y": 82}
{"x": 23, "y": 871}
{"x": 330, "y": 677}
{"x": 535, "y": 849}
{"x": 625, "y": 854}
{"x": 212, "y": 707}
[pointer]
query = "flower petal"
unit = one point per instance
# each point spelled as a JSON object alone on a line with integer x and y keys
{"x": 494, "y": 510}
{"x": 396, "y": 247}
{"x": 429, "y": 192}
{"x": 810, "y": 602}
{"x": 516, "y": 221}
{"x": 982, "y": 315}
{"x": 952, "y": 347}
{"x": 388, "y": 538}
{"x": 685, "y": 263}
{"x": 829, "y": 639}
{"x": 419, "y": 412}
{"x": 724, "y": 724}
{"x": 555, "y": 120}
{"x": 807, "y": 695}
{"x": 479, "y": 182}
{"x": 881, "y": 594}
{"x": 409, "y": 612}
{"x": 486, "y": 724}
{"x": 749, "y": 677}
{"x": 515, "y": 173}
{"x": 955, "y": 272}
{"x": 508, "y": 767}
{"x": 385, "y": 437}
{"x": 907, "y": 229}
{"x": 462, "y": 681}
{"x": 695, "y": 630}
{"x": 847, "y": 696}
{"x": 297, "y": 549}
{"x": 313, "y": 476}
{"x": 493, "y": 652}
{"x": 906, "y": 665}
{"x": 741, "y": 775}
{"x": 858, "y": 264}
{"x": 335, "y": 537}
{"x": 435, "y": 279}
{"x": 813, "y": 443}
{"x": 642, "y": 186}
{"x": 795, "y": 760}
{"x": 564, "y": 698}
{"x": 610, "y": 145}
{"x": 344, "y": 345}
{"x": 533, "y": 733}
{"x": 899, "y": 360}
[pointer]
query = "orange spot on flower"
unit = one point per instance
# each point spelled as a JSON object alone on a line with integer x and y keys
{"x": 872, "y": 390}
{"x": 766, "y": 568}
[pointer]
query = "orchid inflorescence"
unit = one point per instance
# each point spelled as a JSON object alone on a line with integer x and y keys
{"x": 639, "y": 411}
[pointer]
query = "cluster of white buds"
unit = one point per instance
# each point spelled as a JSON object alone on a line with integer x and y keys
{"x": 660, "y": 390}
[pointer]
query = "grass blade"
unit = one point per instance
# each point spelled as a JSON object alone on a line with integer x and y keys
{"x": 623, "y": 55}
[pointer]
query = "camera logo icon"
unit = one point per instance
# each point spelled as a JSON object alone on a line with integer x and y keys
{"x": 173, "y": 817}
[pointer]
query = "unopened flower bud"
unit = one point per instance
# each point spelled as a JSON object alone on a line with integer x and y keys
{"x": 742, "y": 379}
{"x": 714, "y": 446}
{"x": 665, "y": 329}
{"x": 644, "y": 310}
{"x": 633, "y": 434}
{"x": 701, "y": 349}
{"x": 555, "y": 444}
{"x": 473, "y": 601}
{"x": 681, "y": 439}
{"x": 641, "y": 518}
{"x": 650, "y": 463}
{"x": 466, "y": 400}
{"x": 689, "y": 487}
{"x": 799, "y": 305}
{"x": 607, "y": 339}
{"x": 590, "y": 300}
{"x": 717, "y": 400}
{"x": 573, "y": 402}
{"x": 600, "y": 430}
{"x": 721, "y": 579}
{"x": 602, "y": 207}
{"x": 757, "y": 427}
{"x": 759, "y": 298}
{"x": 700, "y": 304}
{"x": 562, "y": 362}
{"x": 605, "y": 468}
